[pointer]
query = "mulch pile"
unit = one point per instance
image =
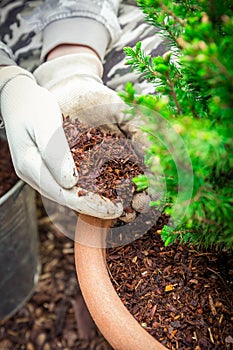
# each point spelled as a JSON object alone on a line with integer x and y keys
{"x": 106, "y": 162}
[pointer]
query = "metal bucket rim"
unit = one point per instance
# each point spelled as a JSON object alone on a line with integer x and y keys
{"x": 11, "y": 191}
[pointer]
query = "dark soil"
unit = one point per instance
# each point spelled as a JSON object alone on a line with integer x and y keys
{"x": 8, "y": 177}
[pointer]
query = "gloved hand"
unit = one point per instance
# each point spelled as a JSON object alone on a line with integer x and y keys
{"x": 38, "y": 145}
{"x": 75, "y": 81}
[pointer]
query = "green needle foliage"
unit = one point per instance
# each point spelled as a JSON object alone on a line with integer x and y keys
{"x": 193, "y": 96}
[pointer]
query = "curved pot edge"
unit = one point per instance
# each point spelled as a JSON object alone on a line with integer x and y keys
{"x": 112, "y": 318}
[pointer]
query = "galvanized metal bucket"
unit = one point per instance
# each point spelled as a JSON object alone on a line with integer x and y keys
{"x": 19, "y": 258}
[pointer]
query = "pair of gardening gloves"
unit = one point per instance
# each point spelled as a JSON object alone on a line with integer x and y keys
{"x": 32, "y": 106}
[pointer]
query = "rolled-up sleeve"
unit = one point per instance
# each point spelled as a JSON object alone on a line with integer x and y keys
{"x": 6, "y": 55}
{"x": 92, "y": 23}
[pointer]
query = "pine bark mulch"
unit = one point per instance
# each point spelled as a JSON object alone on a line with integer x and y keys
{"x": 181, "y": 296}
{"x": 106, "y": 161}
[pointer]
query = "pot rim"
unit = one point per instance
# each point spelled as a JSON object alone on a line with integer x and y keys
{"x": 17, "y": 186}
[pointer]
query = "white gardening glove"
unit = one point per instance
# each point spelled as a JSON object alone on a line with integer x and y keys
{"x": 75, "y": 81}
{"x": 38, "y": 145}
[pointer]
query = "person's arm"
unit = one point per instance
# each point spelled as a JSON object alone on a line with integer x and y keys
{"x": 76, "y": 35}
{"x": 87, "y": 23}
{"x": 75, "y": 39}
{"x": 73, "y": 70}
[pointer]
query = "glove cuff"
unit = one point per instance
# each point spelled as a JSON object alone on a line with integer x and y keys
{"x": 9, "y": 73}
{"x": 63, "y": 68}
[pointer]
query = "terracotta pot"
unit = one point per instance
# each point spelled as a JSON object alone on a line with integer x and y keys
{"x": 112, "y": 318}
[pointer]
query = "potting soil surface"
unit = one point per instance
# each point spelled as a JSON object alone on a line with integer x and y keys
{"x": 180, "y": 295}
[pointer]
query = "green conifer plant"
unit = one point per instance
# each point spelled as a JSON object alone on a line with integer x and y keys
{"x": 193, "y": 85}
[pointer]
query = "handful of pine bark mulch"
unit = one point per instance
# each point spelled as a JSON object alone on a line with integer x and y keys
{"x": 106, "y": 163}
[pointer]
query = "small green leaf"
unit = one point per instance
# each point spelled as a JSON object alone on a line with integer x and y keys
{"x": 161, "y": 68}
{"x": 138, "y": 47}
{"x": 129, "y": 51}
